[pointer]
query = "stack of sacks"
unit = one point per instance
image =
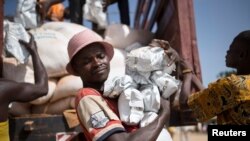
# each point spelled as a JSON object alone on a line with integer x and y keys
{"x": 147, "y": 75}
{"x": 63, "y": 96}
{"x": 52, "y": 39}
{"x": 228, "y": 98}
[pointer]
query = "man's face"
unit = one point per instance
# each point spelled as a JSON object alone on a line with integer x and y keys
{"x": 92, "y": 63}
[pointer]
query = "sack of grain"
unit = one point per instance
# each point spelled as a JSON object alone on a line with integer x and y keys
{"x": 52, "y": 49}
{"x": 65, "y": 28}
{"x": 56, "y": 107}
{"x": 46, "y": 98}
{"x": 67, "y": 86}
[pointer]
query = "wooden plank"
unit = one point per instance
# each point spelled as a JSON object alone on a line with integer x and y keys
{"x": 39, "y": 127}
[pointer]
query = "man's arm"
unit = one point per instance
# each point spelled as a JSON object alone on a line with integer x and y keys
{"x": 24, "y": 92}
{"x": 149, "y": 132}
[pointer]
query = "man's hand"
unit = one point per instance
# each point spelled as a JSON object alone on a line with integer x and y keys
{"x": 172, "y": 54}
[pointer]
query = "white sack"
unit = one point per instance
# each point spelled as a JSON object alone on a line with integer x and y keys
{"x": 56, "y": 107}
{"x": 130, "y": 106}
{"x": 146, "y": 59}
{"x": 151, "y": 98}
{"x": 148, "y": 118}
{"x": 93, "y": 11}
{"x": 46, "y": 98}
{"x": 167, "y": 84}
{"x": 114, "y": 87}
{"x": 66, "y": 28}
{"x": 52, "y": 49}
{"x": 139, "y": 77}
{"x": 67, "y": 86}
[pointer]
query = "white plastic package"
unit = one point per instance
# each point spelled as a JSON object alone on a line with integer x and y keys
{"x": 15, "y": 32}
{"x": 26, "y": 13}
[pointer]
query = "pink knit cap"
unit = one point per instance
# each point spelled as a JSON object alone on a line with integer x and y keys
{"x": 81, "y": 40}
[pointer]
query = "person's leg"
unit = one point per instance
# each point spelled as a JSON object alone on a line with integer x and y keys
{"x": 123, "y": 6}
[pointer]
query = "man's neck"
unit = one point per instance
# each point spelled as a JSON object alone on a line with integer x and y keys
{"x": 243, "y": 72}
{"x": 97, "y": 86}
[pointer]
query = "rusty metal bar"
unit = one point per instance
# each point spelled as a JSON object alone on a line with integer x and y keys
{"x": 165, "y": 20}
{"x": 1, "y": 35}
{"x": 138, "y": 14}
{"x": 188, "y": 48}
{"x": 147, "y": 7}
{"x": 156, "y": 12}
{"x": 196, "y": 60}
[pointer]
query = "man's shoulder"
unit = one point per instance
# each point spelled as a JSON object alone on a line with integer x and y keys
{"x": 87, "y": 92}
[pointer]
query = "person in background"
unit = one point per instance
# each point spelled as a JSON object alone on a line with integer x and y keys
{"x": 227, "y": 108}
{"x": 74, "y": 12}
{"x": 12, "y": 91}
{"x": 56, "y": 12}
{"x": 238, "y": 57}
{"x": 44, "y": 6}
{"x": 90, "y": 60}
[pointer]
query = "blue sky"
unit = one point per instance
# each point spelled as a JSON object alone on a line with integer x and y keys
{"x": 217, "y": 23}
